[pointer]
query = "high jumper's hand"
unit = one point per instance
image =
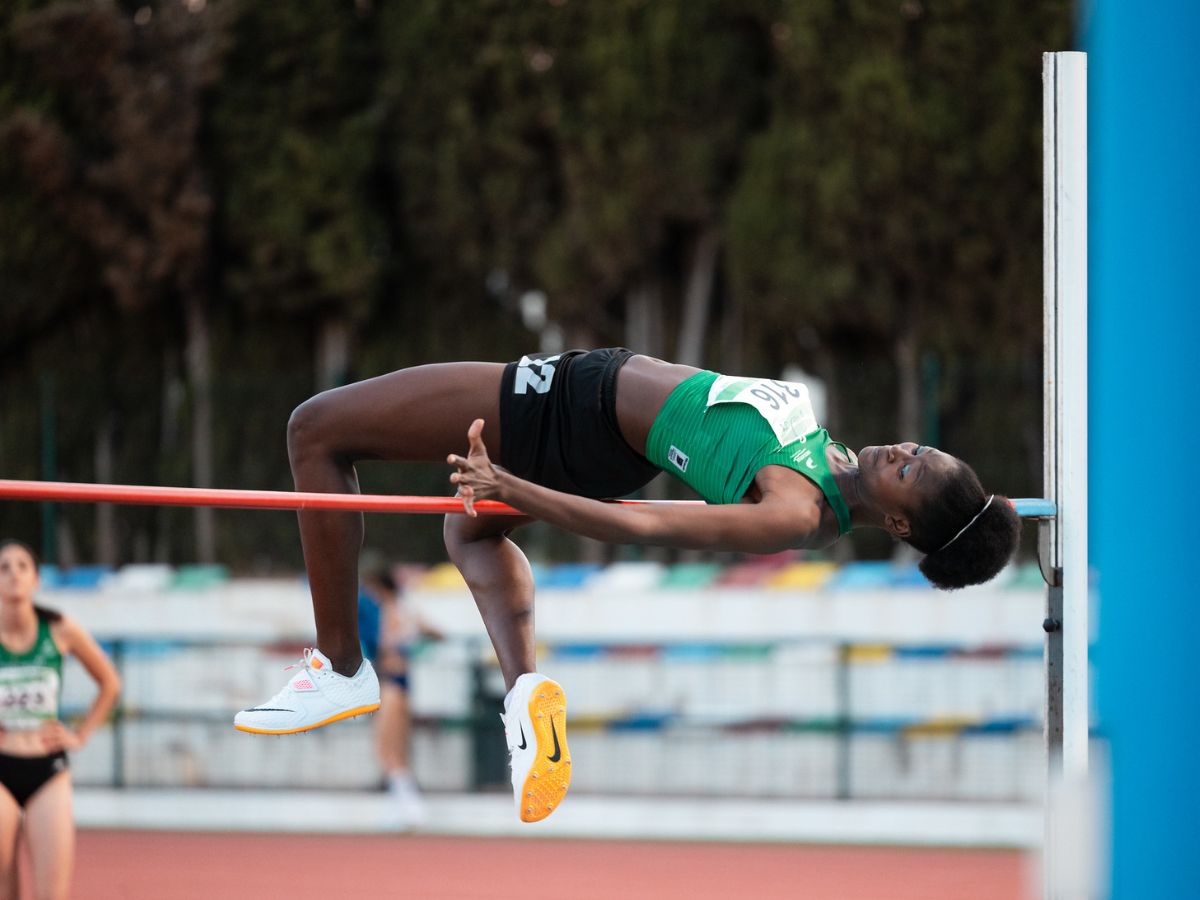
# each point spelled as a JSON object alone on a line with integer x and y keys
{"x": 476, "y": 476}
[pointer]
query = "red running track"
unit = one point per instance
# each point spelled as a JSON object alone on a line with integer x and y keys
{"x": 129, "y": 865}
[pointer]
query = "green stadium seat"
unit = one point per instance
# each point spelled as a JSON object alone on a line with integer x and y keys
{"x": 1026, "y": 576}
{"x": 690, "y": 575}
{"x": 199, "y": 577}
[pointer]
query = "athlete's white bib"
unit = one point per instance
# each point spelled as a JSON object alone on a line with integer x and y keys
{"x": 784, "y": 404}
{"x": 28, "y": 696}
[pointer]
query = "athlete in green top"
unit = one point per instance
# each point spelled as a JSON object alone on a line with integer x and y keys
{"x": 716, "y": 433}
{"x": 35, "y": 782}
{"x": 569, "y": 430}
{"x": 31, "y": 680}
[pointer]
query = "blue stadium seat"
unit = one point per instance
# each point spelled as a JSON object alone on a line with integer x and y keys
{"x": 84, "y": 578}
{"x": 908, "y": 576}
{"x": 860, "y": 575}
{"x": 51, "y": 577}
{"x": 566, "y": 576}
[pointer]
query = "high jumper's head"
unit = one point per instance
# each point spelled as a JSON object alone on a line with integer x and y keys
{"x": 934, "y": 501}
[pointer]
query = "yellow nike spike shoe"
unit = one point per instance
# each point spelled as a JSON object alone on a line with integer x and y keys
{"x": 535, "y": 725}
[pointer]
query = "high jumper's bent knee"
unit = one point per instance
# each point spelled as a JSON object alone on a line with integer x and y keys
{"x": 309, "y": 431}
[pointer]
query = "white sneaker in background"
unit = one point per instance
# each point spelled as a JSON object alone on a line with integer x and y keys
{"x": 405, "y": 809}
{"x": 535, "y": 725}
{"x": 314, "y": 696}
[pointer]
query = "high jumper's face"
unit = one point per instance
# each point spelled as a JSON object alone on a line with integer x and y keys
{"x": 18, "y": 573}
{"x": 898, "y": 479}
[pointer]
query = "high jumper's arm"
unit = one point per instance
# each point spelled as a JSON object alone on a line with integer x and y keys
{"x": 763, "y": 527}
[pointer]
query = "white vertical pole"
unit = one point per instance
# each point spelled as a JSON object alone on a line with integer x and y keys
{"x": 1049, "y": 530}
{"x": 1070, "y": 289}
{"x": 1064, "y": 541}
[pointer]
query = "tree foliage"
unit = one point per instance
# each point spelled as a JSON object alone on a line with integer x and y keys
{"x": 224, "y": 205}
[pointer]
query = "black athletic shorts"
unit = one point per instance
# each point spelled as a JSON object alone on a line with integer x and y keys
{"x": 23, "y": 776}
{"x": 558, "y": 424}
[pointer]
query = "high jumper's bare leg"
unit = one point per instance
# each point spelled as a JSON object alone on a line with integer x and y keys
{"x": 500, "y": 580}
{"x": 415, "y": 414}
{"x": 418, "y": 414}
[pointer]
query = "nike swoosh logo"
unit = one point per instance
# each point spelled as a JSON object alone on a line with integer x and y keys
{"x": 523, "y": 744}
{"x": 557, "y": 750}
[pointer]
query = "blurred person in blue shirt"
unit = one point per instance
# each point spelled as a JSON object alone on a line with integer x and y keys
{"x": 389, "y": 630}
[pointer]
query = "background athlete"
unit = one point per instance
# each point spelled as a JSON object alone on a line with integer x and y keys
{"x": 35, "y": 783}
{"x": 390, "y": 629}
{"x": 568, "y": 431}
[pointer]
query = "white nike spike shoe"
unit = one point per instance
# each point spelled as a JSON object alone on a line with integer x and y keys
{"x": 314, "y": 696}
{"x": 535, "y": 726}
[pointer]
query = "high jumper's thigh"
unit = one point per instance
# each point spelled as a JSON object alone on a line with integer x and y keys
{"x": 416, "y": 414}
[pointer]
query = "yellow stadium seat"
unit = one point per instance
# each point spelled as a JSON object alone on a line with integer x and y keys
{"x": 442, "y": 577}
{"x": 802, "y": 575}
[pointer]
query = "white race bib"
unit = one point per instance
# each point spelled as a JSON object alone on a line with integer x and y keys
{"x": 28, "y": 696}
{"x": 784, "y": 404}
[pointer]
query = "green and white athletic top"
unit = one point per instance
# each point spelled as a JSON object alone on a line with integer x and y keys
{"x": 30, "y": 682}
{"x": 715, "y": 432}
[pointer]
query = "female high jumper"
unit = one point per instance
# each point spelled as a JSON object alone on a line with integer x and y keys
{"x": 570, "y": 431}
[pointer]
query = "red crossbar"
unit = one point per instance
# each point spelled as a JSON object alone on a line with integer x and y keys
{"x": 74, "y": 492}
{"x": 78, "y": 492}
{"x": 71, "y": 492}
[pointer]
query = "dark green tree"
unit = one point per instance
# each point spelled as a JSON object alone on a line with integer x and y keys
{"x": 294, "y": 142}
{"x": 892, "y": 208}
{"x": 210, "y": 209}
{"x": 117, "y": 164}
{"x": 578, "y": 150}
